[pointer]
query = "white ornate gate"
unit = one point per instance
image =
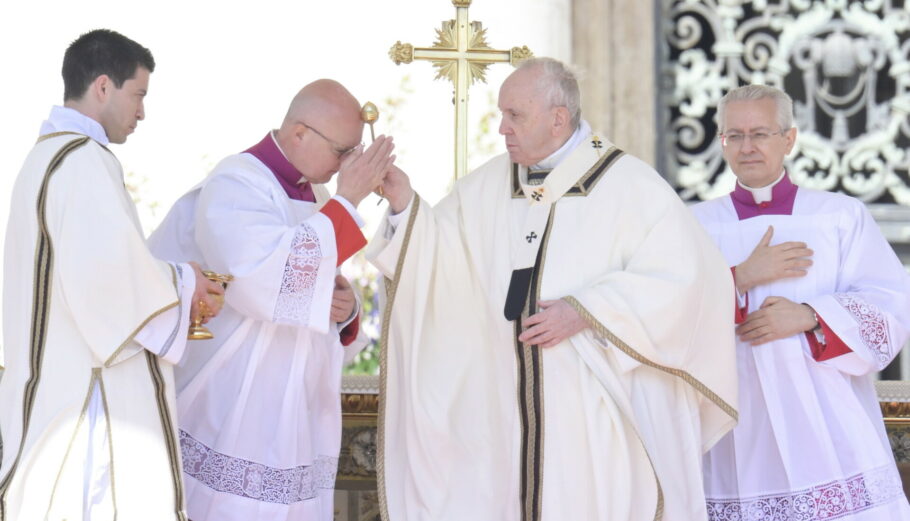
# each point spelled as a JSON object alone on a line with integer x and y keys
{"x": 845, "y": 63}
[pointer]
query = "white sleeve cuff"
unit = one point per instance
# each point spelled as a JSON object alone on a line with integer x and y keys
{"x": 740, "y": 300}
{"x": 165, "y": 335}
{"x": 396, "y": 219}
{"x": 351, "y": 210}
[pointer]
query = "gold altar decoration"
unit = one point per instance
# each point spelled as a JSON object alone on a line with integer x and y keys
{"x": 197, "y": 330}
{"x": 460, "y": 54}
{"x": 354, "y": 404}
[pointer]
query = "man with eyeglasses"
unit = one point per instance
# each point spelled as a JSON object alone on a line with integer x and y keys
{"x": 259, "y": 409}
{"x": 552, "y": 349}
{"x": 824, "y": 303}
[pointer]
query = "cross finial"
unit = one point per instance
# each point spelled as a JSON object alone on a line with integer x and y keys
{"x": 460, "y": 54}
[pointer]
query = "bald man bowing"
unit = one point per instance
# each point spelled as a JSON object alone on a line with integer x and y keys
{"x": 258, "y": 406}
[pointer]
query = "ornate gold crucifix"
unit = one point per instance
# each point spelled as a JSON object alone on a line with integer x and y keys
{"x": 461, "y": 55}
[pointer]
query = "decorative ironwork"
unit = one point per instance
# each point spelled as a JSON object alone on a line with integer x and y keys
{"x": 845, "y": 63}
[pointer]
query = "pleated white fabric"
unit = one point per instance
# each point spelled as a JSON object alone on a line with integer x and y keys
{"x": 622, "y": 438}
{"x": 259, "y": 405}
{"x": 810, "y": 443}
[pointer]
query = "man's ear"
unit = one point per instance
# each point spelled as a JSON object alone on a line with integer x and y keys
{"x": 561, "y": 120}
{"x": 101, "y": 88}
{"x": 300, "y": 130}
{"x": 791, "y": 139}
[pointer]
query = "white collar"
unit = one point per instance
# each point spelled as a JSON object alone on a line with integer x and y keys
{"x": 65, "y": 119}
{"x": 763, "y": 194}
{"x": 272, "y": 134}
{"x": 277, "y": 144}
{"x": 553, "y": 160}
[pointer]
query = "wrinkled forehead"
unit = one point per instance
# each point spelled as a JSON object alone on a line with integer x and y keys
{"x": 746, "y": 115}
{"x": 519, "y": 90}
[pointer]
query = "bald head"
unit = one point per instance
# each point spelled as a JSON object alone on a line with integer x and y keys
{"x": 323, "y": 101}
{"x": 323, "y": 116}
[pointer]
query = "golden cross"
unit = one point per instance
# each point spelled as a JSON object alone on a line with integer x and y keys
{"x": 461, "y": 55}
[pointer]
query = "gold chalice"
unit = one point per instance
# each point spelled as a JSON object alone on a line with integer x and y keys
{"x": 197, "y": 330}
{"x": 369, "y": 114}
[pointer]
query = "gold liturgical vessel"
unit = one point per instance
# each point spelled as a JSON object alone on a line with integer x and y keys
{"x": 197, "y": 330}
{"x": 369, "y": 114}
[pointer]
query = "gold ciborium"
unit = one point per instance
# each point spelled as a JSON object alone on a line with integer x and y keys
{"x": 197, "y": 330}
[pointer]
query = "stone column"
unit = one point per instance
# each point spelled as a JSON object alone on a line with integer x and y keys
{"x": 613, "y": 43}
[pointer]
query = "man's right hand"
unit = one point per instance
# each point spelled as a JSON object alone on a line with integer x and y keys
{"x": 362, "y": 171}
{"x": 397, "y": 189}
{"x": 768, "y": 263}
{"x": 210, "y": 294}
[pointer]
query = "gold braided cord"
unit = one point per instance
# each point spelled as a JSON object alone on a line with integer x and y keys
{"x": 168, "y": 431}
{"x": 57, "y": 134}
{"x": 391, "y": 290}
{"x": 635, "y": 355}
{"x": 41, "y": 293}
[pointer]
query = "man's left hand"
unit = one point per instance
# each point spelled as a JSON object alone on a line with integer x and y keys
{"x": 557, "y": 321}
{"x": 343, "y": 300}
{"x": 776, "y": 318}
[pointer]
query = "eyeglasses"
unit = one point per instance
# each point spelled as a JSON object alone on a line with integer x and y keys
{"x": 339, "y": 150}
{"x": 736, "y": 139}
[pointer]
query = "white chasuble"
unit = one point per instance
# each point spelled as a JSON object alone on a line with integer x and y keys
{"x": 611, "y": 424}
{"x": 84, "y": 395}
{"x": 811, "y": 444}
{"x": 259, "y": 406}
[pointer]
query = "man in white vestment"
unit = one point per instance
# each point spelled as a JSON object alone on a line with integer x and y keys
{"x": 259, "y": 406}
{"x": 824, "y": 303}
{"x": 555, "y": 338}
{"x": 92, "y": 322}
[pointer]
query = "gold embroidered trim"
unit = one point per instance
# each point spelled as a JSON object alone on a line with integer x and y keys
{"x": 57, "y": 134}
{"x": 69, "y": 446}
{"x": 588, "y": 181}
{"x": 129, "y": 338}
{"x": 635, "y": 355}
{"x": 168, "y": 431}
{"x": 391, "y": 290}
{"x": 110, "y": 441}
{"x": 585, "y": 183}
{"x": 533, "y": 391}
{"x": 110, "y": 361}
{"x": 43, "y": 270}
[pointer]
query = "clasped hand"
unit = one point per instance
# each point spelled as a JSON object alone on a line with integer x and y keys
{"x": 363, "y": 171}
{"x": 777, "y": 318}
{"x": 343, "y": 300}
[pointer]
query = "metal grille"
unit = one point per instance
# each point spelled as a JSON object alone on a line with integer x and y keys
{"x": 845, "y": 63}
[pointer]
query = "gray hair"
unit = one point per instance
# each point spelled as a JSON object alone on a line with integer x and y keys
{"x": 758, "y": 92}
{"x": 558, "y": 84}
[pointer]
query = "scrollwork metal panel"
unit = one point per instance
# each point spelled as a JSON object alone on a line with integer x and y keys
{"x": 845, "y": 63}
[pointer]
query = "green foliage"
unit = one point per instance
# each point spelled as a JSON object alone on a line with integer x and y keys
{"x": 367, "y": 280}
